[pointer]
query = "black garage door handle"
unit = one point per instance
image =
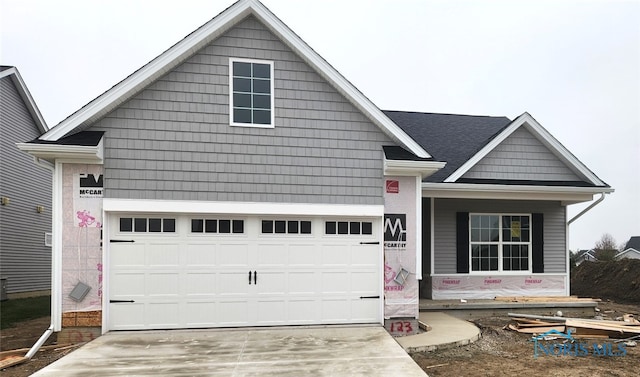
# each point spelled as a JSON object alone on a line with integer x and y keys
{"x": 118, "y": 241}
{"x": 120, "y": 301}
{"x": 370, "y": 243}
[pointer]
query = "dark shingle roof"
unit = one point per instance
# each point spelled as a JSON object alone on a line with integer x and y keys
{"x": 84, "y": 138}
{"x": 451, "y": 138}
{"x": 634, "y": 243}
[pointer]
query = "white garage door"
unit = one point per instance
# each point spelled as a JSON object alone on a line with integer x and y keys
{"x": 218, "y": 271}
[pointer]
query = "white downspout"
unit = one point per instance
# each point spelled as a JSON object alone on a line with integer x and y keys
{"x": 587, "y": 209}
{"x": 574, "y": 218}
{"x": 43, "y": 338}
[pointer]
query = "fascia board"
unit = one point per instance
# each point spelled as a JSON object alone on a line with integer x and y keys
{"x": 204, "y": 35}
{"x": 52, "y": 152}
{"x": 568, "y": 195}
{"x": 412, "y": 168}
{"x": 152, "y": 70}
{"x": 26, "y": 97}
{"x": 543, "y": 135}
{"x": 190, "y": 206}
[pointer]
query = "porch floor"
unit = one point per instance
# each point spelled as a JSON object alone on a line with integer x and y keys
{"x": 472, "y": 309}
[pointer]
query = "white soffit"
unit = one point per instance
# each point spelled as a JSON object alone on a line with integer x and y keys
{"x": 205, "y": 35}
{"x": 526, "y": 120}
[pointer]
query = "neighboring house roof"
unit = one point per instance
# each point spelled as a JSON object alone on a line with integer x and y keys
{"x": 204, "y": 35}
{"x": 12, "y": 72}
{"x": 632, "y": 247}
{"x": 633, "y": 243}
{"x": 448, "y": 137}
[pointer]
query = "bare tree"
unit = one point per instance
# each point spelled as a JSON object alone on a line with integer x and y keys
{"x": 606, "y": 248}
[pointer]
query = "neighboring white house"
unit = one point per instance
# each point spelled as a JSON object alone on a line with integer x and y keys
{"x": 585, "y": 255}
{"x": 631, "y": 249}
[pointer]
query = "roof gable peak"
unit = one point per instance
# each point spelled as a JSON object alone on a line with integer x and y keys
{"x": 204, "y": 35}
{"x": 540, "y": 133}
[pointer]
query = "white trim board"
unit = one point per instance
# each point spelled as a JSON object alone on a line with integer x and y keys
{"x": 526, "y": 120}
{"x": 240, "y": 208}
{"x": 24, "y": 93}
{"x": 204, "y": 35}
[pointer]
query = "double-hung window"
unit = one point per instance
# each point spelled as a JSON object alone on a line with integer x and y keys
{"x": 500, "y": 242}
{"x": 251, "y": 89}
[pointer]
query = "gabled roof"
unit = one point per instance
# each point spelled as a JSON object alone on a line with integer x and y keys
{"x": 526, "y": 120}
{"x": 448, "y": 137}
{"x": 201, "y": 37}
{"x": 633, "y": 243}
{"x": 12, "y": 72}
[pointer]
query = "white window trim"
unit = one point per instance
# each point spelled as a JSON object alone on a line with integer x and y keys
{"x": 500, "y": 243}
{"x": 231, "y": 122}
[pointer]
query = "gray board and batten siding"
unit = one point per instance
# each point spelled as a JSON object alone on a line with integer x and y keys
{"x": 521, "y": 156}
{"x": 173, "y": 140}
{"x": 25, "y": 261}
{"x": 445, "y": 229}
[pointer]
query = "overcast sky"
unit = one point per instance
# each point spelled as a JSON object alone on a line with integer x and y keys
{"x": 573, "y": 65}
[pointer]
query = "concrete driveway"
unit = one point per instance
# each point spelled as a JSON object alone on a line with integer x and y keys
{"x": 314, "y": 351}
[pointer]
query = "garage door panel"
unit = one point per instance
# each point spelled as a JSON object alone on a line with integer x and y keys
{"x": 336, "y": 310}
{"x": 362, "y": 309}
{"x": 203, "y": 283}
{"x": 302, "y": 311}
{"x": 303, "y": 255}
{"x": 271, "y": 283}
{"x": 233, "y": 255}
{"x": 364, "y": 255}
{"x": 200, "y": 314}
{"x": 127, "y": 316}
{"x": 163, "y": 284}
{"x": 271, "y": 312}
{"x": 303, "y": 282}
{"x": 335, "y": 282}
{"x": 233, "y": 313}
{"x": 364, "y": 282}
{"x": 335, "y": 255}
{"x": 272, "y": 255}
{"x": 163, "y": 314}
{"x": 200, "y": 255}
{"x": 128, "y": 254}
{"x": 129, "y": 284}
{"x": 162, "y": 254}
{"x": 233, "y": 283}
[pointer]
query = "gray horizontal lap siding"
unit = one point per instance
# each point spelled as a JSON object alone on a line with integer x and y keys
{"x": 445, "y": 229}
{"x": 24, "y": 259}
{"x": 173, "y": 140}
{"x": 521, "y": 156}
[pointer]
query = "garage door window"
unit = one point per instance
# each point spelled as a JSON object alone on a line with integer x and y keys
{"x": 348, "y": 227}
{"x": 220, "y": 226}
{"x": 147, "y": 225}
{"x": 286, "y": 227}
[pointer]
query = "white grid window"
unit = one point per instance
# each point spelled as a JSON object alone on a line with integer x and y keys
{"x": 500, "y": 242}
{"x": 251, "y": 102}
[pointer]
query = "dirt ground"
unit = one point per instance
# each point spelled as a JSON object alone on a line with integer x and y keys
{"x": 498, "y": 353}
{"x": 507, "y": 353}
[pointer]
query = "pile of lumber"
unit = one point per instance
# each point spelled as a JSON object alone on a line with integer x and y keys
{"x": 545, "y": 299}
{"x": 579, "y": 327}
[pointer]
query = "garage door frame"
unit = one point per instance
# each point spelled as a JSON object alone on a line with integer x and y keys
{"x": 119, "y": 207}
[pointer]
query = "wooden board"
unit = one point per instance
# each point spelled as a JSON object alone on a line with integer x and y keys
{"x": 536, "y": 330}
{"x": 11, "y": 361}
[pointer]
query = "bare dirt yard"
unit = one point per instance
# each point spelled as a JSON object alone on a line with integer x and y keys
{"x": 499, "y": 352}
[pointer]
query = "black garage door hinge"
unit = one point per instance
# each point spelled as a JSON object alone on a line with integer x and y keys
{"x": 116, "y": 241}
{"x": 370, "y": 243}
{"x": 120, "y": 301}
{"x": 361, "y": 297}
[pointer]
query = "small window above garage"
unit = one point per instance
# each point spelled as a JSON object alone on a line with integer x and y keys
{"x": 348, "y": 227}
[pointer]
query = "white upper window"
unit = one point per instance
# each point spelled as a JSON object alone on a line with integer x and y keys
{"x": 251, "y": 93}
